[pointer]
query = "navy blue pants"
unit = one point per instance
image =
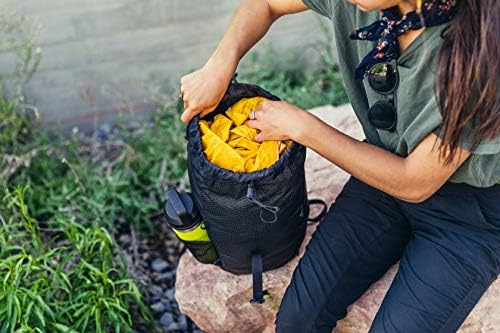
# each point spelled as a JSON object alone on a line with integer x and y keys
{"x": 449, "y": 247}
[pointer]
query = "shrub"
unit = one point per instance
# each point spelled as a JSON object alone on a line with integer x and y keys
{"x": 70, "y": 279}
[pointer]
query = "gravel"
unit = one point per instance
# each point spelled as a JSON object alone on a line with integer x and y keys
{"x": 167, "y": 319}
{"x": 153, "y": 262}
{"x": 152, "y": 258}
{"x": 159, "y": 265}
{"x": 160, "y": 307}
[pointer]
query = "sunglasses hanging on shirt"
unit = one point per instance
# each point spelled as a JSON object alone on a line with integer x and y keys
{"x": 383, "y": 78}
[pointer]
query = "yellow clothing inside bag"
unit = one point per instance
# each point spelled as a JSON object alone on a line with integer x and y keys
{"x": 228, "y": 142}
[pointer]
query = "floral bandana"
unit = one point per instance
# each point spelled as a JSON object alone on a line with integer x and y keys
{"x": 387, "y": 30}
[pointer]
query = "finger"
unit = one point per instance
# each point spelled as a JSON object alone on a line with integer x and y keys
{"x": 187, "y": 115}
{"x": 253, "y": 123}
{"x": 205, "y": 112}
{"x": 260, "y": 137}
{"x": 266, "y": 104}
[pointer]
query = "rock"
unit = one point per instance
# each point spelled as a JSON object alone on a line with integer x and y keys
{"x": 159, "y": 265}
{"x": 182, "y": 321}
{"x": 159, "y": 307}
{"x": 104, "y": 132}
{"x": 124, "y": 239}
{"x": 169, "y": 294}
{"x": 173, "y": 327}
{"x": 165, "y": 277}
{"x": 167, "y": 319}
{"x": 155, "y": 290}
{"x": 218, "y": 301}
{"x": 154, "y": 299}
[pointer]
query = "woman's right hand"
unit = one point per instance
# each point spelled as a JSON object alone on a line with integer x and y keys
{"x": 203, "y": 89}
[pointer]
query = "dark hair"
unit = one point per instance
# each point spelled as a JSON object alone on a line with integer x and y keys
{"x": 467, "y": 84}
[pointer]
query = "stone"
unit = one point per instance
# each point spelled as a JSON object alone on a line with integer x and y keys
{"x": 158, "y": 307}
{"x": 182, "y": 321}
{"x": 167, "y": 319}
{"x": 164, "y": 277}
{"x": 124, "y": 239}
{"x": 159, "y": 265}
{"x": 169, "y": 294}
{"x": 218, "y": 301}
{"x": 155, "y": 290}
{"x": 104, "y": 132}
{"x": 173, "y": 327}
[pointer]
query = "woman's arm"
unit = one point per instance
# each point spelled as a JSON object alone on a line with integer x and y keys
{"x": 203, "y": 89}
{"x": 413, "y": 179}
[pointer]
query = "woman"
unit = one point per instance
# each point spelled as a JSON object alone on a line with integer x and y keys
{"x": 423, "y": 81}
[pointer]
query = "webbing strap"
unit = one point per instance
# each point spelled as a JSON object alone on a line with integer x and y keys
{"x": 258, "y": 293}
{"x": 323, "y": 211}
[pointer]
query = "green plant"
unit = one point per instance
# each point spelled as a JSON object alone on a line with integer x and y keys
{"x": 70, "y": 281}
{"x": 285, "y": 74}
{"x": 105, "y": 182}
{"x": 18, "y": 38}
{"x": 59, "y": 269}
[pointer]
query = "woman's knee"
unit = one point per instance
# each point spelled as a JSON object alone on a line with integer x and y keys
{"x": 292, "y": 317}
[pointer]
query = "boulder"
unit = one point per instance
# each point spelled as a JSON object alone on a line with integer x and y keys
{"x": 218, "y": 301}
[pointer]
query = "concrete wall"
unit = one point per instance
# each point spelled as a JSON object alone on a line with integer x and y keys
{"x": 99, "y": 55}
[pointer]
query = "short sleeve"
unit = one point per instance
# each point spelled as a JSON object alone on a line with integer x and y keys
{"x": 485, "y": 147}
{"x": 418, "y": 109}
{"x": 322, "y": 7}
{"x": 429, "y": 120}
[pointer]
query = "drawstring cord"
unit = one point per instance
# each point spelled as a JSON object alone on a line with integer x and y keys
{"x": 272, "y": 209}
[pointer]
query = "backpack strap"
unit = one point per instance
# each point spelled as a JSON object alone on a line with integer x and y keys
{"x": 258, "y": 293}
{"x": 323, "y": 211}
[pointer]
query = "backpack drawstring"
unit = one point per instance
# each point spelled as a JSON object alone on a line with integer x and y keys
{"x": 271, "y": 209}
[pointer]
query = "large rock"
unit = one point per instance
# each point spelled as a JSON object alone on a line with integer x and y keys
{"x": 218, "y": 301}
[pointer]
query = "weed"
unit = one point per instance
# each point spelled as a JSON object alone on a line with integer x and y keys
{"x": 71, "y": 281}
{"x": 286, "y": 77}
{"x": 18, "y": 36}
{"x": 65, "y": 197}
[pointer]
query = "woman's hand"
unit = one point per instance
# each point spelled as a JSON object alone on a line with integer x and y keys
{"x": 278, "y": 120}
{"x": 203, "y": 89}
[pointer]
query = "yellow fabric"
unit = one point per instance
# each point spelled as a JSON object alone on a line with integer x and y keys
{"x": 221, "y": 126}
{"x": 219, "y": 152}
{"x": 228, "y": 142}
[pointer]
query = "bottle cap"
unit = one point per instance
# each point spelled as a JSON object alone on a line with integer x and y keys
{"x": 179, "y": 210}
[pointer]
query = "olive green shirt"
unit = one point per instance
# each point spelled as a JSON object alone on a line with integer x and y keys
{"x": 418, "y": 113}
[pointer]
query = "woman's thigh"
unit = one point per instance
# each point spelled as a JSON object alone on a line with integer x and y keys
{"x": 363, "y": 234}
{"x": 451, "y": 260}
{"x": 435, "y": 287}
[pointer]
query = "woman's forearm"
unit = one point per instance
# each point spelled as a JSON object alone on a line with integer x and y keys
{"x": 373, "y": 165}
{"x": 413, "y": 178}
{"x": 249, "y": 24}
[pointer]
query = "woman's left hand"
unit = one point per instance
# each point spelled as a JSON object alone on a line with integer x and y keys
{"x": 278, "y": 120}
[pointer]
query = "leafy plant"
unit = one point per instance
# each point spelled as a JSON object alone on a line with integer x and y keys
{"x": 71, "y": 281}
{"x": 294, "y": 78}
{"x": 65, "y": 197}
{"x": 18, "y": 37}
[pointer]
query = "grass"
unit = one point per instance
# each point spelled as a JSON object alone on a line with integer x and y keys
{"x": 292, "y": 76}
{"x": 65, "y": 198}
{"x": 63, "y": 280}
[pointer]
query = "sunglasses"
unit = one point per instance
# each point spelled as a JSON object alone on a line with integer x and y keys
{"x": 383, "y": 78}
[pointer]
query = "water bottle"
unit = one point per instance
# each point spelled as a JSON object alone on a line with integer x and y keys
{"x": 187, "y": 223}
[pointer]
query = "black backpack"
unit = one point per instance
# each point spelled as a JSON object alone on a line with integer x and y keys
{"x": 255, "y": 220}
